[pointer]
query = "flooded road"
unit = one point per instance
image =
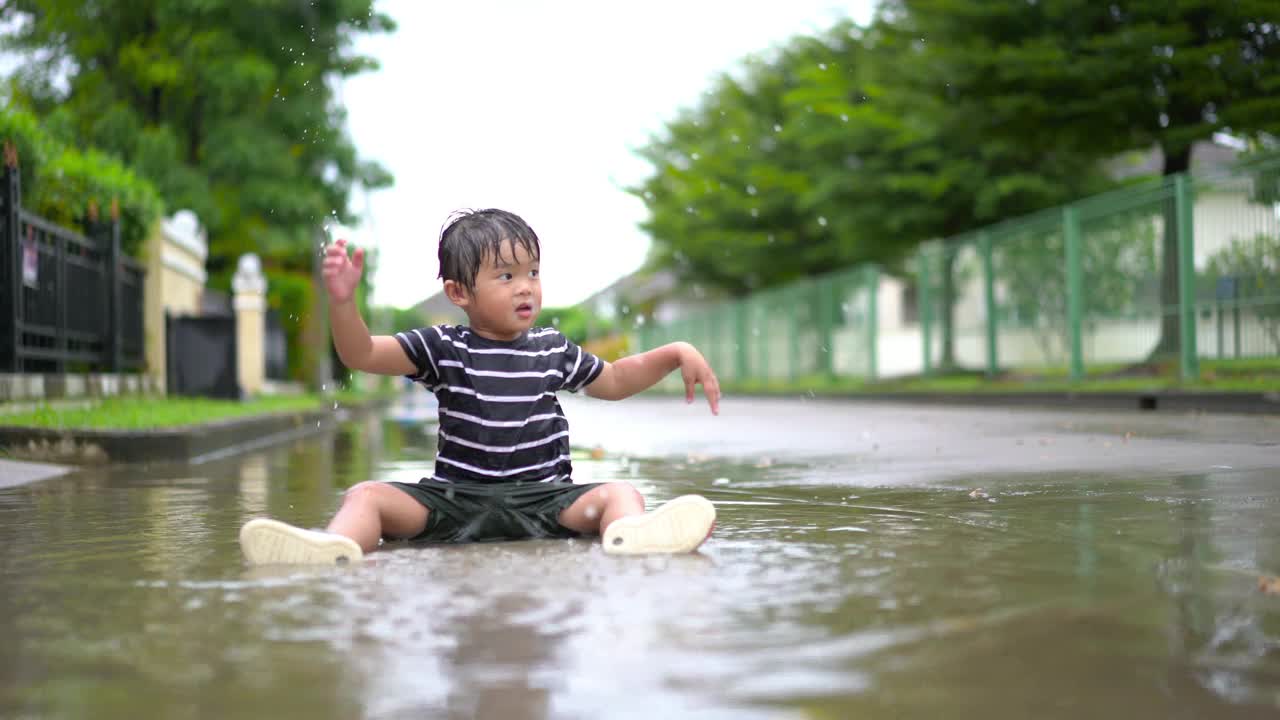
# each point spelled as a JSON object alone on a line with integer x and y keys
{"x": 869, "y": 561}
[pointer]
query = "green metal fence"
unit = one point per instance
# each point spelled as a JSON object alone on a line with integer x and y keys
{"x": 1183, "y": 268}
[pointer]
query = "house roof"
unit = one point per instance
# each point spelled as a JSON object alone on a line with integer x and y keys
{"x": 1207, "y": 156}
{"x": 438, "y": 309}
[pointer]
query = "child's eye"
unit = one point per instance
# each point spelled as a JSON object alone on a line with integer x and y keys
{"x": 533, "y": 273}
{"x": 504, "y": 276}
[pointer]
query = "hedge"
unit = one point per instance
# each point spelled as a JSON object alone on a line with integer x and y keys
{"x": 59, "y": 182}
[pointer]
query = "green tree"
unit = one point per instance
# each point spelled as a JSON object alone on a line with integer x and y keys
{"x": 578, "y": 323}
{"x": 1253, "y": 266}
{"x": 1117, "y": 257}
{"x": 836, "y": 149}
{"x": 1095, "y": 79}
{"x": 227, "y": 107}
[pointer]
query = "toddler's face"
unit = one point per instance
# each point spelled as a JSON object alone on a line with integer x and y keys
{"x": 507, "y": 296}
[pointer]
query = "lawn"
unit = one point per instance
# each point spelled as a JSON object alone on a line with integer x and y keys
{"x": 143, "y": 413}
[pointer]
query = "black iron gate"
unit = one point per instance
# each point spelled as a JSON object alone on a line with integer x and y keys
{"x": 202, "y": 355}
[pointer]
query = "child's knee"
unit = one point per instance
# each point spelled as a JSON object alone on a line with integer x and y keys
{"x": 365, "y": 493}
{"x": 624, "y": 492}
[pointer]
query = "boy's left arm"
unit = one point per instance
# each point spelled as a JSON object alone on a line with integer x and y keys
{"x": 635, "y": 373}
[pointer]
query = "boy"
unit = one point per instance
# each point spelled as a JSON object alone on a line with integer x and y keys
{"x": 502, "y": 467}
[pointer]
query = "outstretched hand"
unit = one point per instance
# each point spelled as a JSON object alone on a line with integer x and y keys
{"x": 695, "y": 371}
{"x": 342, "y": 273}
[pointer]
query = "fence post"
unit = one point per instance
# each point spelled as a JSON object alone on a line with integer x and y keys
{"x": 10, "y": 260}
{"x": 925, "y": 303}
{"x": 1075, "y": 290}
{"x": 793, "y": 333}
{"x": 762, "y": 342}
{"x": 872, "y": 274}
{"x": 741, "y": 356}
{"x": 989, "y": 297}
{"x": 824, "y": 298}
{"x": 1190, "y": 358}
{"x": 115, "y": 280}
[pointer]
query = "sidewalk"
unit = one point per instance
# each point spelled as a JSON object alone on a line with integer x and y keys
{"x": 14, "y": 473}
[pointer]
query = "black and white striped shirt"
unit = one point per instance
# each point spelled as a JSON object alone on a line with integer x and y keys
{"x": 499, "y": 417}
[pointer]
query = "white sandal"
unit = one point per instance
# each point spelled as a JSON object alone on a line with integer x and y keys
{"x": 270, "y": 542}
{"x": 679, "y": 526}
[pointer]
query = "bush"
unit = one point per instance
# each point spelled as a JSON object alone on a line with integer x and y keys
{"x": 576, "y": 323}
{"x": 291, "y": 295}
{"x": 59, "y": 182}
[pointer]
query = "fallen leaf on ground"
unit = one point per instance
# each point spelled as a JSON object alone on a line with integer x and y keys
{"x": 1269, "y": 584}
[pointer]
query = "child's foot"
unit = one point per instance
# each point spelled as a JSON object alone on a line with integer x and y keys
{"x": 270, "y": 542}
{"x": 680, "y": 526}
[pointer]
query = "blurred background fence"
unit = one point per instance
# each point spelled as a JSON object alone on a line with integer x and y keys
{"x": 1173, "y": 270}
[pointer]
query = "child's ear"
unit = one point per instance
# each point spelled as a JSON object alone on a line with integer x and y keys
{"x": 456, "y": 293}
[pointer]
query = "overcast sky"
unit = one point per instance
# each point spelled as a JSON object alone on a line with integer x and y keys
{"x": 536, "y": 107}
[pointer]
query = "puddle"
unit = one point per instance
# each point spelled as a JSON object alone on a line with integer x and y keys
{"x": 824, "y": 593}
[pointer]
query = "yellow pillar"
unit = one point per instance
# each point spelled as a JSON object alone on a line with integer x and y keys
{"x": 175, "y": 256}
{"x": 250, "y": 304}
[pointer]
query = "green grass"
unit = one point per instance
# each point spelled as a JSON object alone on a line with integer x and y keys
{"x": 146, "y": 413}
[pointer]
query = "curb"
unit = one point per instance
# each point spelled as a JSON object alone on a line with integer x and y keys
{"x": 1247, "y": 403}
{"x": 195, "y": 444}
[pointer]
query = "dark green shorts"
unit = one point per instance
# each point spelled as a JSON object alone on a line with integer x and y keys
{"x": 489, "y": 512}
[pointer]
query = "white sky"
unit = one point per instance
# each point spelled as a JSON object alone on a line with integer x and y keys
{"x": 536, "y": 108}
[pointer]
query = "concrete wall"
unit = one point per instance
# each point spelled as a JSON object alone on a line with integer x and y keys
{"x": 33, "y": 387}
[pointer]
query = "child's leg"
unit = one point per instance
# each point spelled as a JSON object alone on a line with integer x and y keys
{"x": 596, "y": 509}
{"x": 616, "y": 512}
{"x": 371, "y": 510}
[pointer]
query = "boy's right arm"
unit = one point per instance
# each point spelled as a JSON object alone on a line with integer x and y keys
{"x": 356, "y": 348}
{"x": 378, "y": 354}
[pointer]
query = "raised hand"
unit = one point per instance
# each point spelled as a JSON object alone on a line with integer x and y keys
{"x": 696, "y": 371}
{"x": 342, "y": 273}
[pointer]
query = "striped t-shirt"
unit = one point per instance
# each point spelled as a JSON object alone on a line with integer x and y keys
{"x": 499, "y": 417}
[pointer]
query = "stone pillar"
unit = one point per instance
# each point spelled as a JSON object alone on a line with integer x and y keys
{"x": 175, "y": 256}
{"x": 250, "y": 304}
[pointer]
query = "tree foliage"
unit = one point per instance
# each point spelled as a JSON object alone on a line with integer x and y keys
{"x": 1252, "y": 266}
{"x": 227, "y": 107}
{"x": 835, "y": 149}
{"x": 1095, "y": 79}
{"x": 76, "y": 180}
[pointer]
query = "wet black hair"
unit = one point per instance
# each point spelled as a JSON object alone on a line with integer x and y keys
{"x": 469, "y": 236}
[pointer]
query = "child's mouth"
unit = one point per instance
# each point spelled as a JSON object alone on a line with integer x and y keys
{"x": 524, "y": 311}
